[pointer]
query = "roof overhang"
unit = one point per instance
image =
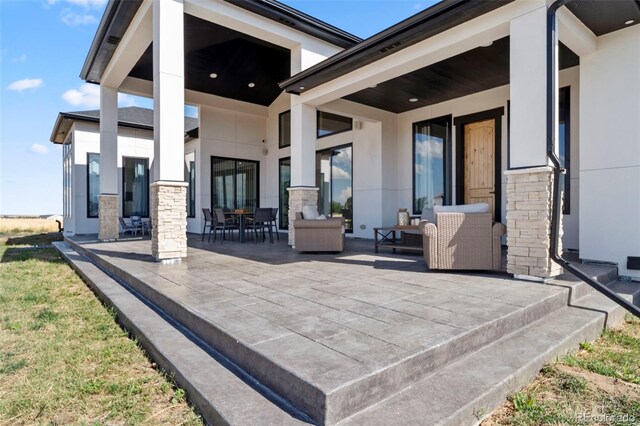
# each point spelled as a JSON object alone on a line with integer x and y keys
{"x": 599, "y": 16}
{"x": 433, "y": 20}
{"x": 66, "y": 119}
{"x": 120, "y": 13}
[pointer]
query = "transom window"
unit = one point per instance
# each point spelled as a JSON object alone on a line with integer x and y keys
{"x": 284, "y": 129}
{"x": 331, "y": 124}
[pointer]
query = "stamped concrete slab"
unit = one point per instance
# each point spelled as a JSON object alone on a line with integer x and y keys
{"x": 333, "y": 334}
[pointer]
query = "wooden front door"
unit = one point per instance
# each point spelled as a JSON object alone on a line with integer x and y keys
{"x": 479, "y": 163}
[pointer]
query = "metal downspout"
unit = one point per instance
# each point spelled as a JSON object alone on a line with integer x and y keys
{"x": 556, "y": 215}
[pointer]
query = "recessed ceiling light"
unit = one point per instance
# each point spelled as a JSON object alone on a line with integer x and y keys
{"x": 487, "y": 44}
{"x": 213, "y": 75}
{"x": 373, "y": 86}
{"x": 301, "y": 87}
{"x": 630, "y": 21}
{"x": 413, "y": 100}
{"x": 251, "y": 85}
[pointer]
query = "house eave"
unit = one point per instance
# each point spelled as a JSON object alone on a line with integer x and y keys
{"x": 434, "y": 20}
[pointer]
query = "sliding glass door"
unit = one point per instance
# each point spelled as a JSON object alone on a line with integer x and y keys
{"x": 431, "y": 143}
{"x": 334, "y": 178}
{"x": 135, "y": 187}
{"x": 234, "y": 184}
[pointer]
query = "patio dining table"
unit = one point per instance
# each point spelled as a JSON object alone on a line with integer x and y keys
{"x": 240, "y": 215}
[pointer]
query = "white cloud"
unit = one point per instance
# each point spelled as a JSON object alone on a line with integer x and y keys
{"x": 339, "y": 173}
{"x": 74, "y": 19}
{"x": 344, "y": 195}
{"x": 88, "y": 96}
{"x": 87, "y": 4}
{"x": 20, "y": 59}
{"x": 431, "y": 147}
{"x": 38, "y": 148}
{"x": 25, "y": 83}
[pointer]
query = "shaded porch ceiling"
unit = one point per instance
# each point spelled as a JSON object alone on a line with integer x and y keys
{"x": 473, "y": 71}
{"x": 236, "y": 58}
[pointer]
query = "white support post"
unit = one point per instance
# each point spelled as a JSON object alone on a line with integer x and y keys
{"x": 303, "y": 190}
{"x": 168, "y": 192}
{"x": 529, "y": 185}
{"x": 108, "y": 199}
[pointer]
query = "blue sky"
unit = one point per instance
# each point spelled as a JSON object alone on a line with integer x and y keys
{"x": 43, "y": 44}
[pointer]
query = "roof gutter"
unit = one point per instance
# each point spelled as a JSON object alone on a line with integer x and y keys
{"x": 556, "y": 213}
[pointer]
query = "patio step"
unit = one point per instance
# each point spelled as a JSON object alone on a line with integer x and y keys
{"x": 469, "y": 389}
{"x": 329, "y": 405}
{"x": 222, "y": 393}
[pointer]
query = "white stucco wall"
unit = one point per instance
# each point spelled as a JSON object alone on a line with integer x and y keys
{"x": 86, "y": 139}
{"x": 610, "y": 151}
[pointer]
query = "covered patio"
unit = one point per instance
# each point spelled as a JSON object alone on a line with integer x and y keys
{"x": 333, "y": 334}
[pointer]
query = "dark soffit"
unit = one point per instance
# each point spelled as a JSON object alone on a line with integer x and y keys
{"x": 238, "y": 59}
{"x": 606, "y": 16}
{"x": 473, "y": 71}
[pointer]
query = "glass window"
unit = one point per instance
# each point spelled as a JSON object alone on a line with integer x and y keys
{"x": 330, "y": 124}
{"x": 190, "y": 177}
{"x": 135, "y": 187}
{"x": 285, "y": 182}
{"x": 284, "y": 129}
{"x": 234, "y": 184}
{"x": 431, "y": 141}
{"x": 93, "y": 184}
{"x": 334, "y": 178}
{"x": 564, "y": 147}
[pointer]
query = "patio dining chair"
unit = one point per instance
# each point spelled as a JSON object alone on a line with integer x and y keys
{"x": 208, "y": 222}
{"x": 262, "y": 221}
{"x": 274, "y": 221}
{"x": 142, "y": 226}
{"x": 131, "y": 228}
{"x": 222, "y": 224}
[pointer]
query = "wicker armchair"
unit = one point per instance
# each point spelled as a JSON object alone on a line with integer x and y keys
{"x": 318, "y": 235}
{"x": 463, "y": 241}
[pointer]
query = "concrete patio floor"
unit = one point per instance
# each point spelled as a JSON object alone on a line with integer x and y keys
{"x": 331, "y": 333}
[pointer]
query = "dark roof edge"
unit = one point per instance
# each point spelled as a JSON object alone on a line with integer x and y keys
{"x": 298, "y": 20}
{"x": 438, "y": 9}
{"x": 98, "y": 39}
{"x": 90, "y": 119}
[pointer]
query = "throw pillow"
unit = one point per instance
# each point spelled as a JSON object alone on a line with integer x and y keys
{"x": 310, "y": 212}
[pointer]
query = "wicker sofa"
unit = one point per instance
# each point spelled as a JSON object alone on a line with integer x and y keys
{"x": 463, "y": 241}
{"x": 318, "y": 235}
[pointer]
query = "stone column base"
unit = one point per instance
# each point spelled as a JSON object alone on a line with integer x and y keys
{"x": 300, "y": 196}
{"x": 169, "y": 221}
{"x": 529, "y": 201}
{"x": 108, "y": 209}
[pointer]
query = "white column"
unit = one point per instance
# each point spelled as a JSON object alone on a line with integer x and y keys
{"x": 528, "y": 84}
{"x": 303, "y": 190}
{"x": 168, "y": 90}
{"x": 108, "y": 199}
{"x": 168, "y": 191}
{"x": 303, "y": 145}
{"x": 530, "y": 185}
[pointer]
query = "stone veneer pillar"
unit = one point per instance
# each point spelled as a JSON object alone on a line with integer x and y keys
{"x": 300, "y": 196}
{"x": 109, "y": 226}
{"x": 169, "y": 221}
{"x": 529, "y": 201}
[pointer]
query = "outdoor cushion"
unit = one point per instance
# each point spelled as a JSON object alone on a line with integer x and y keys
{"x": 462, "y": 208}
{"x": 310, "y": 212}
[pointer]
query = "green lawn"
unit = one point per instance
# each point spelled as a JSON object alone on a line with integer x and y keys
{"x": 597, "y": 385}
{"x": 63, "y": 358}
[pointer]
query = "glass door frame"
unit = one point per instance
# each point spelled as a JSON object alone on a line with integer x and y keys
{"x": 235, "y": 181}
{"x": 330, "y": 150}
